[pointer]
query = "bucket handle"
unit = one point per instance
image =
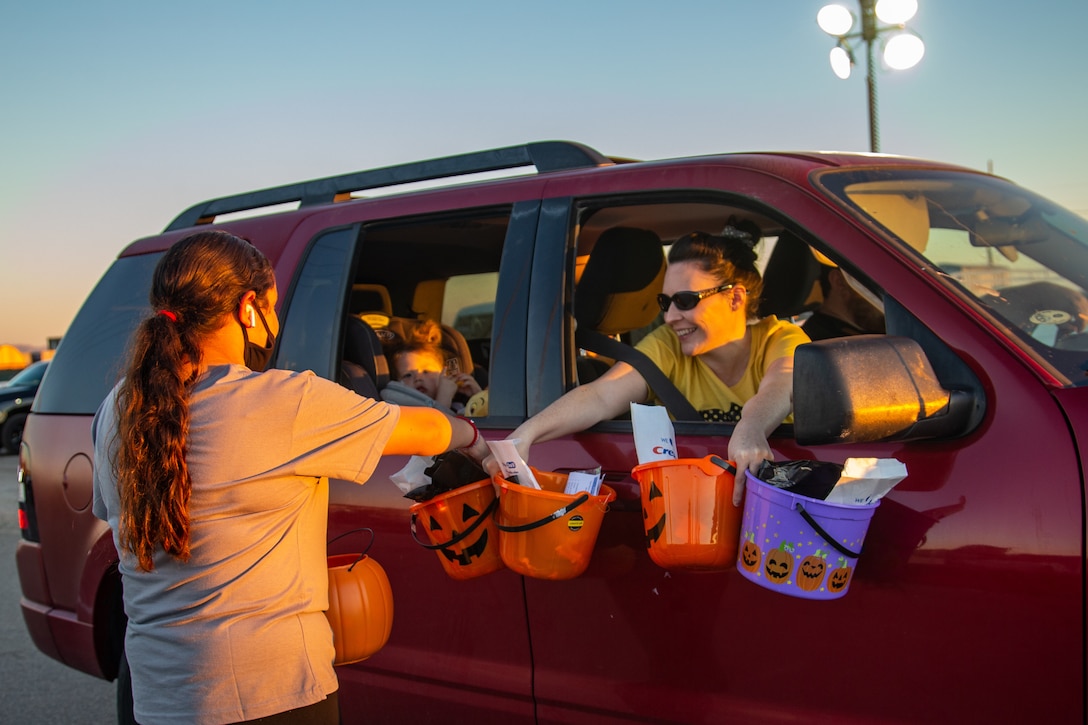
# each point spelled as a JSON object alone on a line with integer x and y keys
{"x": 458, "y": 538}
{"x": 722, "y": 463}
{"x": 551, "y": 517}
{"x": 355, "y": 531}
{"x": 820, "y": 530}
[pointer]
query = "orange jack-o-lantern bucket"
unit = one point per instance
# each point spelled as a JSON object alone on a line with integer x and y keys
{"x": 461, "y": 529}
{"x": 360, "y": 609}
{"x": 687, "y": 507}
{"x": 547, "y": 533}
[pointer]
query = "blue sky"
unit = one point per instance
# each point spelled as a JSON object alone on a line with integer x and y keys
{"x": 119, "y": 114}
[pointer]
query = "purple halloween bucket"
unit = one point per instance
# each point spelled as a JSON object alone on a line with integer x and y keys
{"x": 799, "y": 546}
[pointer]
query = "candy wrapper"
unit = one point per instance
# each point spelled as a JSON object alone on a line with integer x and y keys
{"x": 655, "y": 439}
{"x": 865, "y": 480}
{"x": 584, "y": 482}
{"x": 804, "y": 478}
{"x": 423, "y": 477}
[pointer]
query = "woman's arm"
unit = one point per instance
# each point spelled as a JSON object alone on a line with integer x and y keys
{"x": 429, "y": 431}
{"x": 764, "y": 411}
{"x": 584, "y": 406}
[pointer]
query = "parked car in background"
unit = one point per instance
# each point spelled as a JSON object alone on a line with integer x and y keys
{"x": 968, "y": 603}
{"x": 16, "y": 397}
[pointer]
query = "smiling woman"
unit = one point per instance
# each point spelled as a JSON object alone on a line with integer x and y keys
{"x": 713, "y": 347}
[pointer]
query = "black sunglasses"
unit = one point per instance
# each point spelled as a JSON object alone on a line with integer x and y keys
{"x": 687, "y": 300}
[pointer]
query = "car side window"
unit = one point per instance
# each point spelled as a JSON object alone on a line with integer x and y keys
{"x": 418, "y": 274}
{"x": 313, "y": 310}
{"x": 618, "y": 272}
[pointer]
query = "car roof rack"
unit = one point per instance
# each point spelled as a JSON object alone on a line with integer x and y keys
{"x": 546, "y": 156}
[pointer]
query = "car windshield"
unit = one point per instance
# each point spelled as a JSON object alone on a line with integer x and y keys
{"x": 1022, "y": 256}
{"x": 30, "y": 375}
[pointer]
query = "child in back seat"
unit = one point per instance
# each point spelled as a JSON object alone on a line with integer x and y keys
{"x": 420, "y": 375}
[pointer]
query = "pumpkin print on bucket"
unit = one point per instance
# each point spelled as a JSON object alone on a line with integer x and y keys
{"x": 840, "y": 576}
{"x": 810, "y": 574}
{"x": 779, "y": 563}
{"x": 750, "y": 553}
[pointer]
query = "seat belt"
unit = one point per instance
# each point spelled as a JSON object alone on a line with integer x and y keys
{"x": 675, "y": 402}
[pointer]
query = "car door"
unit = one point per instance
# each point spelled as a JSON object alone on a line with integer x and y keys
{"x": 458, "y": 650}
{"x": 969, "y": 580}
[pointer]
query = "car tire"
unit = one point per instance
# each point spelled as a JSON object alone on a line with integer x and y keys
{"x": 12, "y": 433}
{"x": 125, "y": 715}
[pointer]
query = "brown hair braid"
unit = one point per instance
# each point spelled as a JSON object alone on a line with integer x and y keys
{"x": 198, "y": 282}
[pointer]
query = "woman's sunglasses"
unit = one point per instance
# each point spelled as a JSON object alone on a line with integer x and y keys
{"x": 687, "y": 300}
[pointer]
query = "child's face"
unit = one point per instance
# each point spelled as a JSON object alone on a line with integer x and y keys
{"x": 420, "y": 371}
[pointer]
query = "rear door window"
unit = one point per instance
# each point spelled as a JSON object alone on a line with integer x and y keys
{"x": 88, "y": 361}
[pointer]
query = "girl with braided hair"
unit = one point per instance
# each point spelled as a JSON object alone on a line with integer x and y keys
{"x": 213, "y": 478}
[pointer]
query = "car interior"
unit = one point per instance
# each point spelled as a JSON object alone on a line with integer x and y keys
{"x": 448, "y": 265}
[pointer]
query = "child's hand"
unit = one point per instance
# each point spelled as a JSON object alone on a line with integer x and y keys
{"x": 466, "y": 384}
{"x": 447, "y": 388}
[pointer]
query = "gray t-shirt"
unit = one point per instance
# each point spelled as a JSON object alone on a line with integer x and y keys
{"x": 239, "y": 632}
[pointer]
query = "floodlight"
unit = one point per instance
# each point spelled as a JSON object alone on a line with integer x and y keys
{"x": 903, "y": 50}
{"x": 835, "y": 20}
{"x": 896, "y": 12}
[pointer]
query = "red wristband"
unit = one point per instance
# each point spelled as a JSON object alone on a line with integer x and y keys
{"x": 475, "y": 431}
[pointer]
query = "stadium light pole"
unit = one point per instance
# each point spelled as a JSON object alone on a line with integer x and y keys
{"x": 880, "y": 20}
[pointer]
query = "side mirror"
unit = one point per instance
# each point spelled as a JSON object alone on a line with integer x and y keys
{"x": 872, "y": 388}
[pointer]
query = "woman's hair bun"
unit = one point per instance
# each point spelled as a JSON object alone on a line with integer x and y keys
{"x": 744, "y": 231}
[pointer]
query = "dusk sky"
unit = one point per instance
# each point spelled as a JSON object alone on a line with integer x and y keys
{"x": 119, "y": 114}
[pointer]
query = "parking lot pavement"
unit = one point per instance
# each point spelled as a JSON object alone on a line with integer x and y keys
{"x": 36, "y": 688}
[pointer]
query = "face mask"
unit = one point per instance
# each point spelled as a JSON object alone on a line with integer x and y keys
{"x": 255, "y": 356}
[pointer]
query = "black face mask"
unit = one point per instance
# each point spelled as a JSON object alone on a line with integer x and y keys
{"x": 255, "y": 356}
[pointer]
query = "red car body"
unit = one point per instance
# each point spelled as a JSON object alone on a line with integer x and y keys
{"x": 967, "y": 606}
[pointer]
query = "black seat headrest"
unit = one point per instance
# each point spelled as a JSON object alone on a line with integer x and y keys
{"x": 618, "y": 289}
{"x": 791, "y": 279}
{"x": 364, "y": 368}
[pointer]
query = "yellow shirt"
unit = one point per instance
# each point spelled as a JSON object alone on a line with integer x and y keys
{"x": 717, "y": 402}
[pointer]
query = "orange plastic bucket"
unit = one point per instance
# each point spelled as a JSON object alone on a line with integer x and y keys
{"x": 360, "y": 609}
{"x": 687, "y": 507}
{"x": 548, "y": 534}
{"x": 461, "y": 529}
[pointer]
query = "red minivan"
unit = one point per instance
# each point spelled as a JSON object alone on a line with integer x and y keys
{"x": 968, "y": 603}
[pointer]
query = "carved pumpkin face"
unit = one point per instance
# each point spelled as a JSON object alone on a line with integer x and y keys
{"x": 750, "y": 553}
{"x": 779, "y": 563}
{"x": 655, "y": 508}
{"x": 840, "y": 577}
{"x": 461, "y": 529}
{"x": 464, "y": 551}
{"x": 811, "y": 572}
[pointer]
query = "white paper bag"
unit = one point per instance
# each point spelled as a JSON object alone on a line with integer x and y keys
{"x": 412, "y": 476}
{"x": 655, "y": 439}
{"x": 514, "y": 468}
{"x": 865, "y": 480}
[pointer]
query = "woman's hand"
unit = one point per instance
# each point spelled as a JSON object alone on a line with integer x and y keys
{"x": 763, "y": 412}
{"x": 748, "y": 448}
